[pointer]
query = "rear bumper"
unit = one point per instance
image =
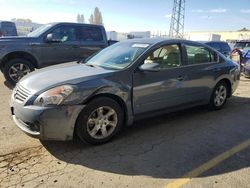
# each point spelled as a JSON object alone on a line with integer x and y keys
{"x": 46, "y": 123}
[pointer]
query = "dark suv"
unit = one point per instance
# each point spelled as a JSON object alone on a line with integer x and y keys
{"x": 48, "y": 45}
{"x": 220, "y": 46}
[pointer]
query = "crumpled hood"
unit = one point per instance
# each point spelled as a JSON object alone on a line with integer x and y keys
{"x": 68, "y": 73}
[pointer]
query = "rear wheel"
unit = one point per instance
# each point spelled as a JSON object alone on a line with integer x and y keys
{"x": 15, "y": 69}
{"x": 219, "y": 96}
{"x": 100, "y": 121}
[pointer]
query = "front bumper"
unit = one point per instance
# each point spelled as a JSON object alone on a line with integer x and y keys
{"x": 46, "y": 123}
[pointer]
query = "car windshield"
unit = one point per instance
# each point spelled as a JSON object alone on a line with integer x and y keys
{"x": 118, "y": 56}
{"x": 40, "y": 30}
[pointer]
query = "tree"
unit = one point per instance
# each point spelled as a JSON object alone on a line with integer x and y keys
{"x": 96, "y": 18}
{"x": 80, "y": 18}
{"x": 91, "y": 19}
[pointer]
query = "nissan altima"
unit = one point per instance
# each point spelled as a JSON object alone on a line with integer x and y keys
{"x": 125, "y": 82}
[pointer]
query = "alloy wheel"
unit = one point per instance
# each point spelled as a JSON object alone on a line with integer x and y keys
{"x": 102, "y": 122}
{"x": 220, "y": 96}
{"x": 17, "y": 71}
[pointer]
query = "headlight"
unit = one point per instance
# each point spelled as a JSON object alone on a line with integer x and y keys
{"x": 56, "y": 96}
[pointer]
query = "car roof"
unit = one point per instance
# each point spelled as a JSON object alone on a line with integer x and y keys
{"x": 157, "y": 40}
{"x": 209, "y": 42}
{"x": 74, "y": 23}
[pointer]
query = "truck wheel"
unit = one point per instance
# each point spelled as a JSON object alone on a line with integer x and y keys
{"x": 15, "y": 69}
{"x": 99, "y": 121}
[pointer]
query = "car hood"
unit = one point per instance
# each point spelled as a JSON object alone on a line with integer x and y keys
{"x": 68, "y": 73}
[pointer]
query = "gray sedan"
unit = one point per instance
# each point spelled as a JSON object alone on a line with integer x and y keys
{"x": 127, "y": 81}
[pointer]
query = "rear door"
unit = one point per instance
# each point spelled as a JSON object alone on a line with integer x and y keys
{"x": 204, "y": 68}
{"x": 91, "y": 39}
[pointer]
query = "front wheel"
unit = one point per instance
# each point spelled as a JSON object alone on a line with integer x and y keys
{"x": 15, "y": 69}
{"x": 219, "y": 96}
{"x": 100, "y": 121}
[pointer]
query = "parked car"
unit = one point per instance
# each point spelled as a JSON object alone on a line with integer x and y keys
{"x": 242, "y": 57}
{"x": 242, "y": 44}
{"x": 127, "y": 81}
{"x": 245, "y": 63}
{"x": 7, "y": 29}
{"x": 48, "y": 45}
{"x": 222, "y": 47}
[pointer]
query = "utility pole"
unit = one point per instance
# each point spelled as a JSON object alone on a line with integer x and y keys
{"x": 177, "y": 19}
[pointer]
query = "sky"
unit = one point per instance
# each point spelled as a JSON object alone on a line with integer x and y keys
{"x": 134, "y": 15}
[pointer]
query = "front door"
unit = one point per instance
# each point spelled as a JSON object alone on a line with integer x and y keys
{"x": 65, "y": 48}
{"x": 162, "y": 89}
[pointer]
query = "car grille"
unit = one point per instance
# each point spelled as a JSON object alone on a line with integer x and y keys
{"x": 21, "y": 94}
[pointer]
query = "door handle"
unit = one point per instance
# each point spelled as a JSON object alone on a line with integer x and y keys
{"x": 180, "y": 78}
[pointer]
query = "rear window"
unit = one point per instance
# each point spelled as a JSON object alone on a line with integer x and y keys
{"x": 8, "y": 29}
{"x": 91, "y": 34}
{"x": 198, "y": 55}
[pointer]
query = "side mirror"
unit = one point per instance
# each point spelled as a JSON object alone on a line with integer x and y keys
{"x": 50, "y": 39}
{"x": 150, "y": 67}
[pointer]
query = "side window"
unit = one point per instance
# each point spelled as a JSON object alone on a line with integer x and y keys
{"x": 198, "y": 55}
{"x": 90, "y": 34}
{"x": 168, "y": 56}
{"x": 64, "y": 33}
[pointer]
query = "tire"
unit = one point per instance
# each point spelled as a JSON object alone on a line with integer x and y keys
{"x": 219, "y": 96}
{"x": 15, "y": 69}
{"x": 99, "y": 115}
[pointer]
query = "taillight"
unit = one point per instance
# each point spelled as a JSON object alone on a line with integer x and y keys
{"x": 1, "y": 34}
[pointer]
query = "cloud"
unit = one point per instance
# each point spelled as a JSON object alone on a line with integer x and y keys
{"x": 245, "y": 11}
{"x": 219, "y": 10}
{"x": 198, "y": 10}
{"x": 207, "y": 17}
{"x": 168, "y": 16}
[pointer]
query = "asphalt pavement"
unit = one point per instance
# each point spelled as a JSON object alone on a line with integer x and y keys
{"x": 191, "y": 148}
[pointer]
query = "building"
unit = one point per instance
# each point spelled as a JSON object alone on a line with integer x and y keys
{"x": 243, "y": 34}
{"x": 113, "y": 35}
